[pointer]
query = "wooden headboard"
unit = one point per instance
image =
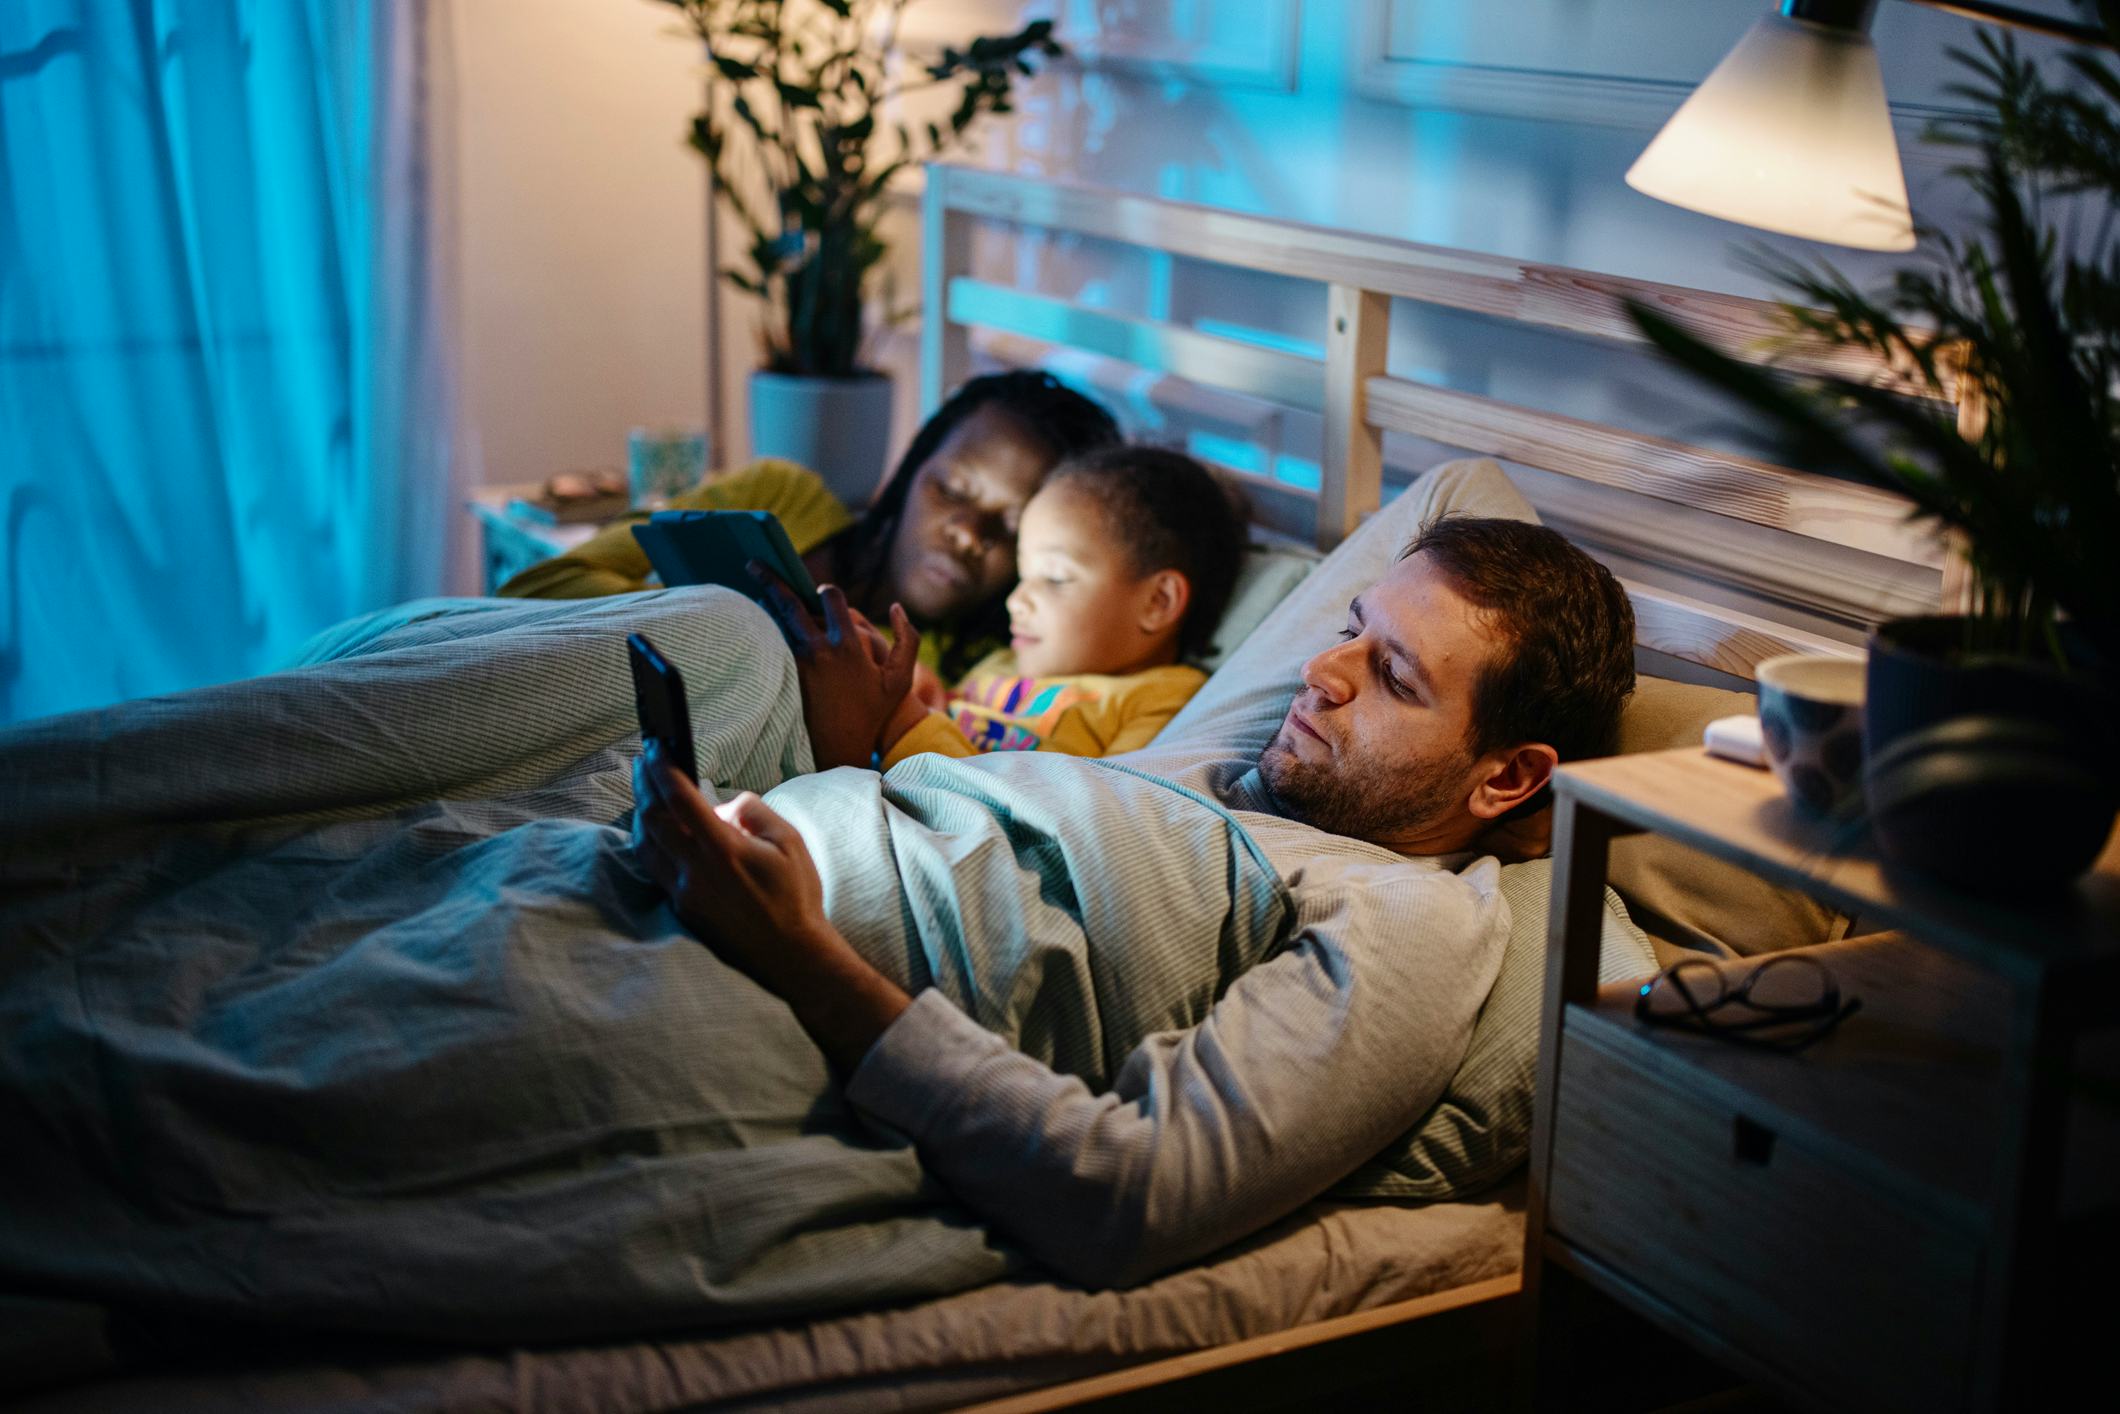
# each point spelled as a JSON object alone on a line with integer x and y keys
{"x": 1783, "y": 561}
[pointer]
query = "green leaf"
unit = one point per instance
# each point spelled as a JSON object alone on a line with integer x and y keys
{"x": 2032, "y": 306}
{"x": 811, "y": 222}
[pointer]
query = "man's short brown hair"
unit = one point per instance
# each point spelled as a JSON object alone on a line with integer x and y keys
{"x": 1563, "y": 665}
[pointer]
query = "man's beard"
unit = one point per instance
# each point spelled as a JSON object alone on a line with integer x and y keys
{"x": 1344, "y": 797}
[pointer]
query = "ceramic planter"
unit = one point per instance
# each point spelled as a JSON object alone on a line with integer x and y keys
{"x": 839, "y": 428}
{"x": 1983, "y": 771}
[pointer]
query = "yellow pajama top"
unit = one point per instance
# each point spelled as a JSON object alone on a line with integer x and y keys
{"x": 612, "y": 562}
{"x": 997, "y": 707}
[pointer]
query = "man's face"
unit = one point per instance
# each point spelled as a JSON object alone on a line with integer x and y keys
{"x": 1376, "y": 746}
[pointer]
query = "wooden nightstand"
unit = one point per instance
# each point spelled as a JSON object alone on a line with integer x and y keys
{"x": 510, "y": 543}
{"x": 1880, "y": 1221}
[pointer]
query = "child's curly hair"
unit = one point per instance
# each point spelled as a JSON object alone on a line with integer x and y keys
{"x": 1169, "y": 512}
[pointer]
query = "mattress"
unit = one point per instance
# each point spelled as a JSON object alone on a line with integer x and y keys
{"x": 1328, "y": 1260}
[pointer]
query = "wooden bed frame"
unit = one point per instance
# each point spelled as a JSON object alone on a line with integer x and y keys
{"x": 1728, "y": 560}
{"x": 1778, "y": 560}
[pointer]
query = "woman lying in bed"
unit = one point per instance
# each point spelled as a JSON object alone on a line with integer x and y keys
{"x": 939, "y": 537}
{"x": 338, "y": 998}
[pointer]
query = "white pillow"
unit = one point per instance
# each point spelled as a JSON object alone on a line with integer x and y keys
{"x": 1268, "y": 575}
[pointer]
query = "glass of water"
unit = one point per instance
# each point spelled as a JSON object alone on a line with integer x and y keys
{"x": 662, "y": 462}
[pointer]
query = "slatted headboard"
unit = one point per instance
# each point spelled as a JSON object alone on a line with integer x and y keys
{"x": 1813, "y": 559}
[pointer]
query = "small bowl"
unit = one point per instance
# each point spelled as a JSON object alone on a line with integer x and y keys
{"x": 1810, "y": 714}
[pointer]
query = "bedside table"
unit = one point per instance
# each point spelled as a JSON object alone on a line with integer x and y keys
{"x": 510, "y": 543}
{"x": 1876, "y": 1221}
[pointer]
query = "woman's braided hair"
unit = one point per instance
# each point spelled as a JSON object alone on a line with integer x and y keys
{"x": 1063, "y": 420}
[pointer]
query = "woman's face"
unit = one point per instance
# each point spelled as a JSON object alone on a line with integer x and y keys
{"x": 956, "y": 543}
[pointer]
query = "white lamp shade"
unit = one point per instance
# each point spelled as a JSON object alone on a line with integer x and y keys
{"x": 1789, "y": 134}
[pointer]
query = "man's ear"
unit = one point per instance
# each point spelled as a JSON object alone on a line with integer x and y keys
{"x": 1513, "y": 777}
{"x": 1163, "y": 606}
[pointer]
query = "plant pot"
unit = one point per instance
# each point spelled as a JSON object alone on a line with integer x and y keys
{"x": 1986, "y": 772}
{"x": 837, "y": 427}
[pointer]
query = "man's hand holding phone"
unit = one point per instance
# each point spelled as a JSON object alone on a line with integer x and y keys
{"x": 849, "y": 691}
{"x": 659, "y": 697}
{"x": 738, "y": 875}
{"x": 741, "y": 880}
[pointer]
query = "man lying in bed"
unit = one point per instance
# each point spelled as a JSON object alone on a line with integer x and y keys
{"x": 1492, "y": 650}
{"x": 340, "y": 998}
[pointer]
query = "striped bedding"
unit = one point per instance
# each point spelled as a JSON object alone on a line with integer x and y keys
{"x": 334, "y": 997}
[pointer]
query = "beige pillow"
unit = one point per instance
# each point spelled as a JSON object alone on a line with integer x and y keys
{"x": 1685, "y": 899}
{"x": 1682, "y": 899}
{"x": 1269, "y": 574}
{"x": 1480, "y": 1131}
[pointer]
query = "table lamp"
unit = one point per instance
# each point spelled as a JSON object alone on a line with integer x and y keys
{"x": 1791, "y": 133}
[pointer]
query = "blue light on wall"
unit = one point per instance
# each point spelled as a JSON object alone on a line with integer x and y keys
{"x": 200, "y": 343}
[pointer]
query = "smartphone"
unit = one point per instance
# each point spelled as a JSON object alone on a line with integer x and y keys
{"x": 716, "y": 547}
{"x": 659, "y": 697}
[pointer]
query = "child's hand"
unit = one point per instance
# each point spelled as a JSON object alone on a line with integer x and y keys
{"x": 903, "y": 719}
{"x": 927, "y": 686}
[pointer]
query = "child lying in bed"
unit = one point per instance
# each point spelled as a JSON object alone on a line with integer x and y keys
{"x": 1125, "y": 557}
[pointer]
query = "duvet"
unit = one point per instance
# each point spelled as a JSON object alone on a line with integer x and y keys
{"x": 335, "y": 998}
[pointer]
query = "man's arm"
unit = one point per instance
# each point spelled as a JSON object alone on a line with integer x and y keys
{"x": 1306, "y": 1067}
{"x": 742, "y": 880}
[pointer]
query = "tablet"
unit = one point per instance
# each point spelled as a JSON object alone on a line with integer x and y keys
{"x": 713, "y": 547}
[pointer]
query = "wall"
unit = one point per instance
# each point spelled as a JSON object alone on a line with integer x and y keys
{"x": 1499, "y": 128}
{"x": 1503, "y": 129}
{"x": 582, "y": 226}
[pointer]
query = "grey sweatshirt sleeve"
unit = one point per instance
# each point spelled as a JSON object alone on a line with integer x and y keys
{"x": 1308, "y": 1065}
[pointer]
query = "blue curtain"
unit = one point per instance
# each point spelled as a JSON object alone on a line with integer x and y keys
{"x": 223, "y": 409}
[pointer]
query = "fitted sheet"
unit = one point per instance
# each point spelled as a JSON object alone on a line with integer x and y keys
{"x": 1328, "y": 1260}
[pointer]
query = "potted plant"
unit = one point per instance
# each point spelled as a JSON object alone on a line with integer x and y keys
{"x": 1987, "y": 734}
{"x": 801, "y": 136}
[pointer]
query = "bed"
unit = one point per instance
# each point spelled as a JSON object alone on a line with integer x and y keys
{"x": 1728, "y": 558}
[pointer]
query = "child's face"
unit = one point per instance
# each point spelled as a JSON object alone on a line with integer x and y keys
{"x": 1078, "y": 607}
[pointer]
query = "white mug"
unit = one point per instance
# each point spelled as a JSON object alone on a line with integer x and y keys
{"x": 1810, "y": 714}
